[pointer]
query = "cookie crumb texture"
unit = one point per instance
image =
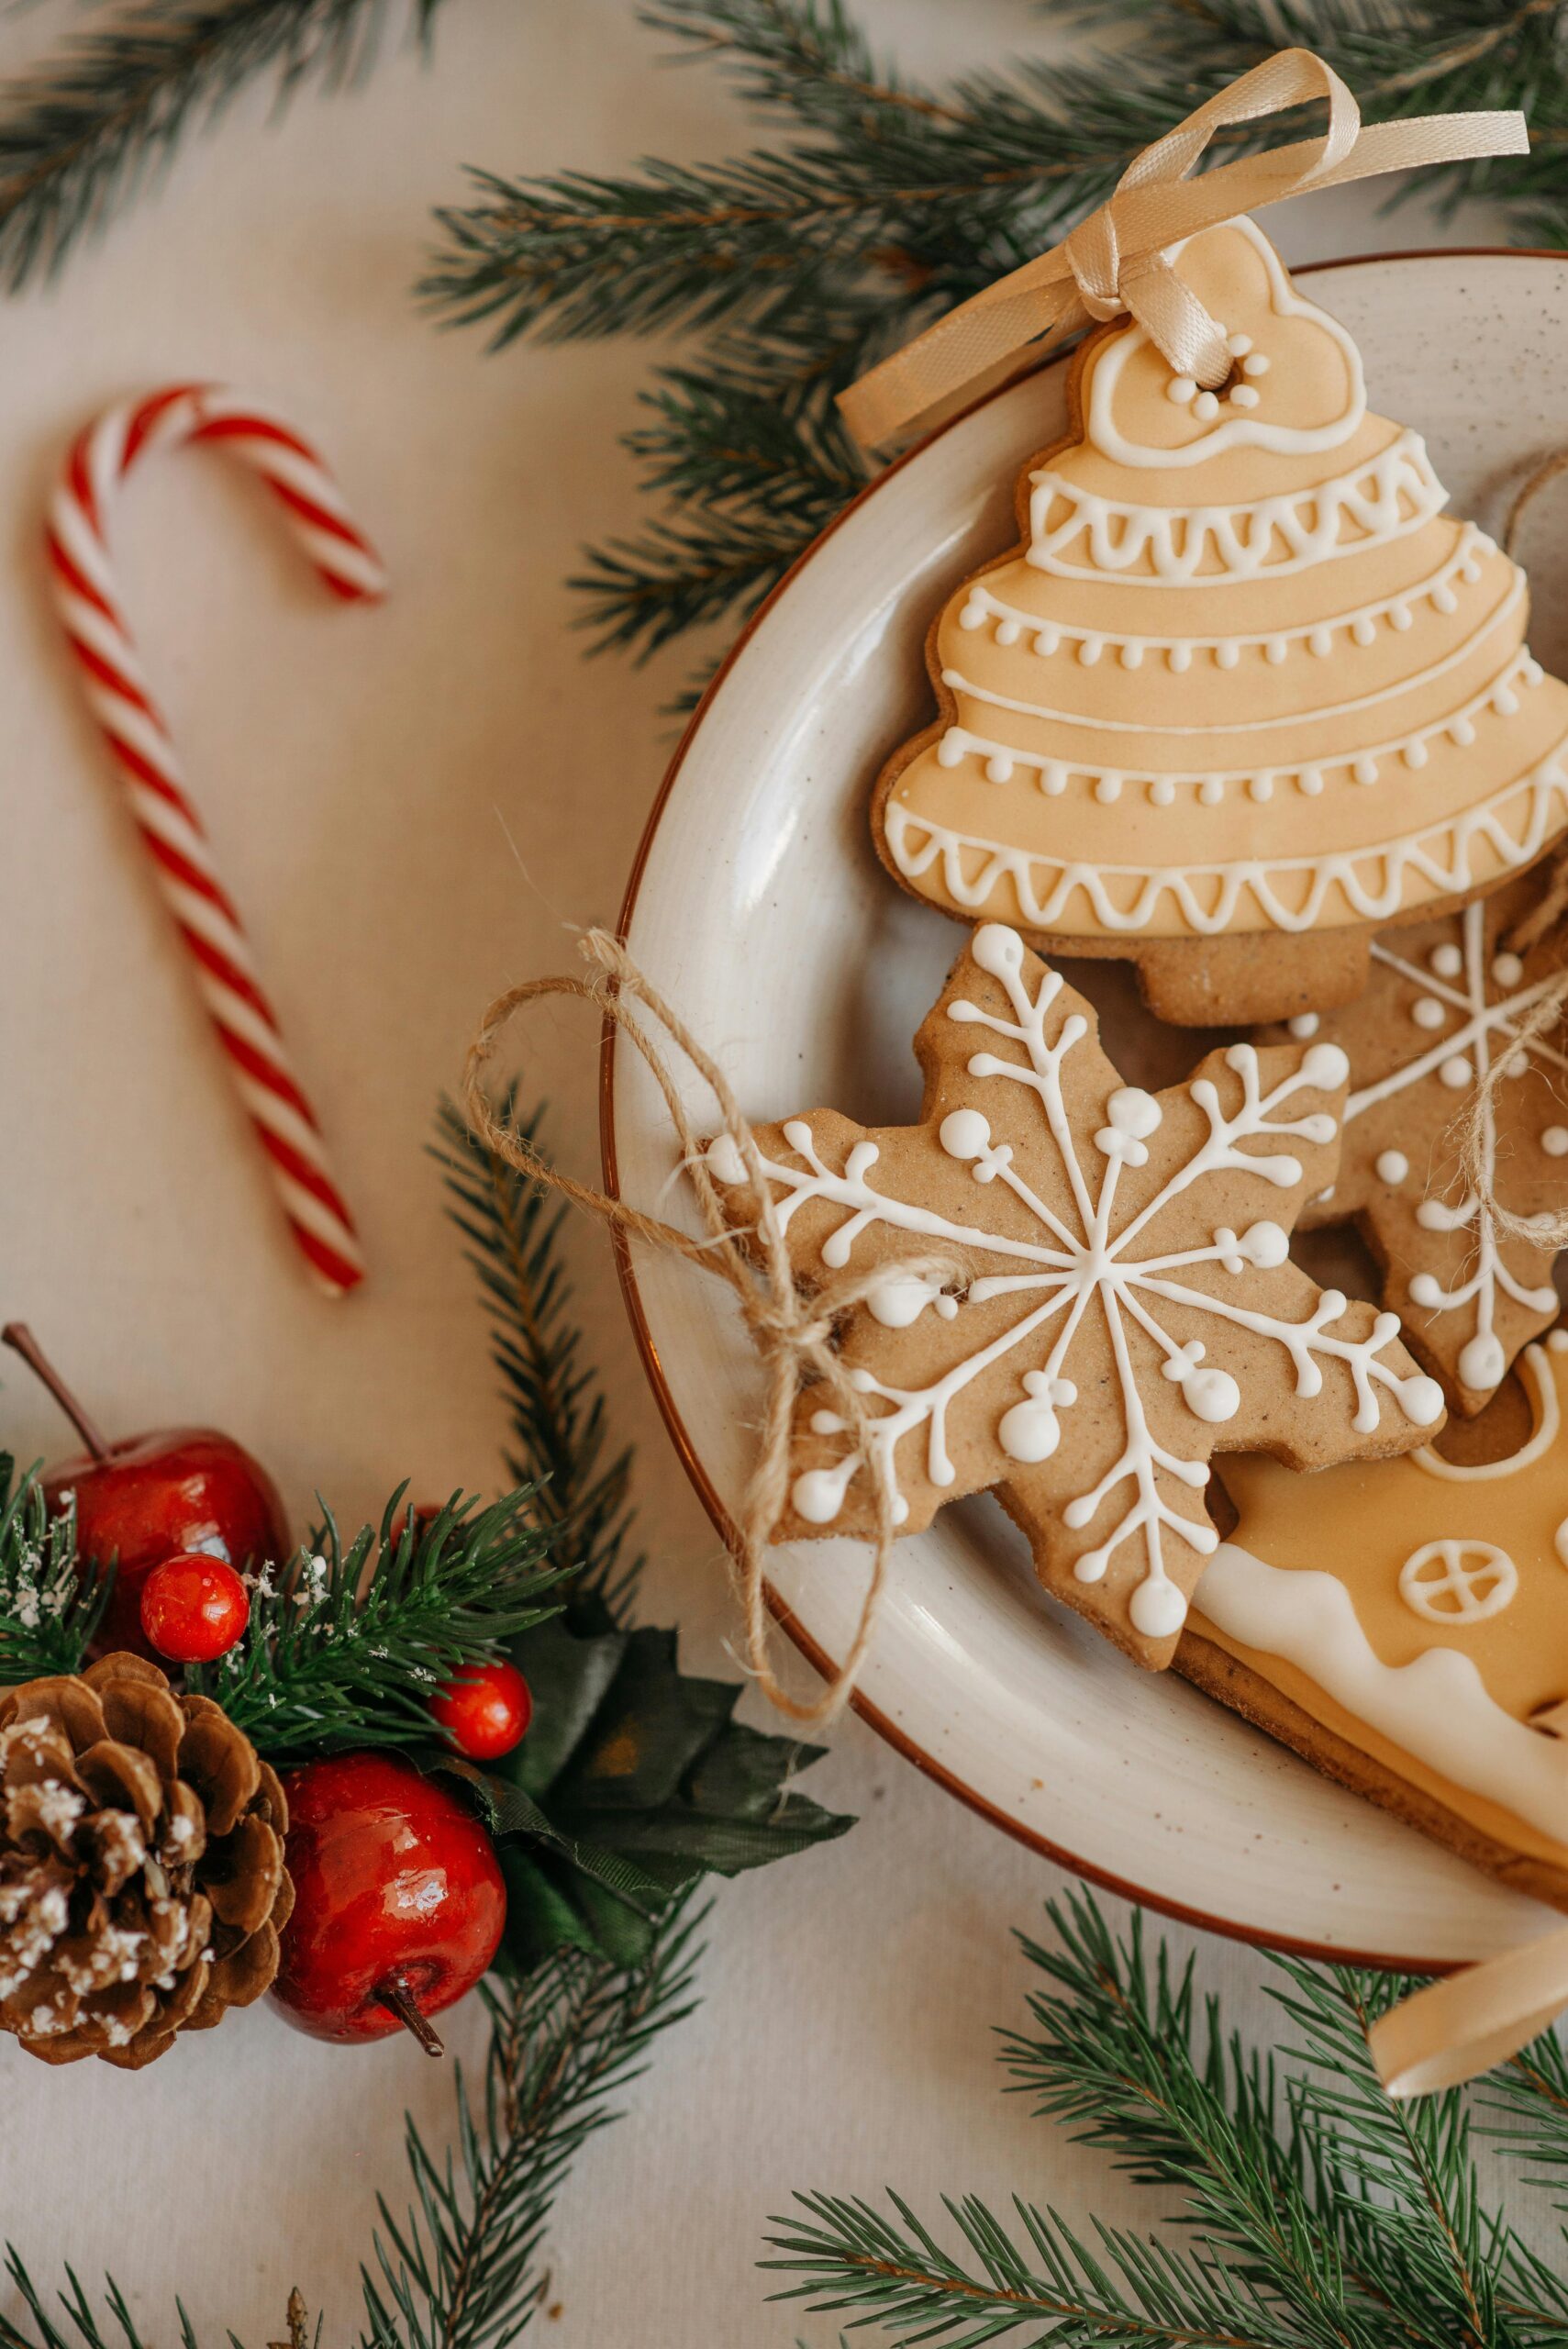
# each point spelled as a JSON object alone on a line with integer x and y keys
{"x": 1244, "y": 692}
{"x": 1124, "y": 1304}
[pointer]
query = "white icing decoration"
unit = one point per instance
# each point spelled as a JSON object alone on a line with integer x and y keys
{"x": 1100, "y": 424}
{"x": 1548, "y": 1416}
{"x": 1507, "y": 970}
{"x": 900, "y": 1300}
{"x": 1082, "y": 1258}
{"x": 1178, "y": 540}
{"x": 1304, "y": 1024}
{"x": 1448, "y": 961}
{"x": 1030, "y": 1431}
{"x": 959, "y": 742}
{"x": 1456, "y": 1058}
{"x": 1374, "y": 880}
{"x": 1501, "y": 612}
{"x": 1559, "y": 1541}
{"x": 1427, "y": 1012}
{"x": 1436, "y": 1708}
{"x": 1257, "y": 363}
{"x": 1182, "y": 389}
{"x": 724, "y": 1163}
{"x": 1554, "y": 1142}
{"x": 1392, "y": 1166}
{"x": 1457, "y": 1581}
{"x": 1243, "y": 396}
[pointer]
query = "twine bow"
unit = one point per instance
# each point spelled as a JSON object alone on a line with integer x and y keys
{"x": 1116, "y": 261}
{"x": 792, "y": 1330}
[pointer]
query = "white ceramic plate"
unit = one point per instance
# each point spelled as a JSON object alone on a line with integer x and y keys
{"x": 759, "y": 907}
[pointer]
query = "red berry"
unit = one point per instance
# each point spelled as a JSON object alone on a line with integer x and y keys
{"x": 194, "y": 1607}
{"x": 485, "y": 1710}
{"x": 399, "y": 1901}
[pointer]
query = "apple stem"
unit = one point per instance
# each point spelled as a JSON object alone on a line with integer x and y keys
{"x": 21, "y": 1341}
{"x": 396, "y": 1995}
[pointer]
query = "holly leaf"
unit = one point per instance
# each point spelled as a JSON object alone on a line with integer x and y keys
{"x": 632, "y": 1783}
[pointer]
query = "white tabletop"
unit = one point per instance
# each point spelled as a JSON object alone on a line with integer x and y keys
{"x": 415, "y": 805}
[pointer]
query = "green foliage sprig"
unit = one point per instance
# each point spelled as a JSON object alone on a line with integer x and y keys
{"x": 346, "y": 1644}
{"x": 560, "y": 1430}
{"x": 48, "y": 1608}
{"x": 880, "y": 201}
{"x": 1313, "y": 2212}
{"x": 461, "y": 2269}
{"x": 86, "y": 130}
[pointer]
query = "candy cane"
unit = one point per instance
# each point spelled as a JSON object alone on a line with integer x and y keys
{"x": 138, "y": 736}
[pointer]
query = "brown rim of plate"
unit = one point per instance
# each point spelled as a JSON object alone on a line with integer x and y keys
{"x": 815, "y": 1654}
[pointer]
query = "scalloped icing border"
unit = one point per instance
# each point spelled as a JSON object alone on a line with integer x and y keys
{"x": 1212, "y": 912}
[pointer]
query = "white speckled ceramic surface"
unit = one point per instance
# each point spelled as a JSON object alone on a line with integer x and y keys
{"x": 762, "y": 912}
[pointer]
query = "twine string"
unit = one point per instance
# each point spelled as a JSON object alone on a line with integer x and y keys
{"x": 791, "y": 1330}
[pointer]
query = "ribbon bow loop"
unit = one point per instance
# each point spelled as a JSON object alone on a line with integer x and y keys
{"x": 1118, "y": 261}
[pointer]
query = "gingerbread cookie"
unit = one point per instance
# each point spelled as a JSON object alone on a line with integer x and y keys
{"x": 1408, "y": 1632}
{"x": 1447, "y": 999}
{"x": 1127, "y": 1305}
{"x": 1244, "y": 692}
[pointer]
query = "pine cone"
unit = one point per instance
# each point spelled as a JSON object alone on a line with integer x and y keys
{"x": 142, "y": 1885}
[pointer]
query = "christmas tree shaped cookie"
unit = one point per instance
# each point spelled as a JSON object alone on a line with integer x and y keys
{"x": 1244, "y": 692}
{"x": 1408, "y": 1632}
{"x": 1125, "y": 1304}
{"x": 1448, "y": 1000}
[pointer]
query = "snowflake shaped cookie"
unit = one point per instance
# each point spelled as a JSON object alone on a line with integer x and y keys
{"x": 1127, "y": 1305}
{"x": 1447, "y": 999}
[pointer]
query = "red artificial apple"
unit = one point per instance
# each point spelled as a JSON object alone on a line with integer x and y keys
{"x": 399, "y": 1901}
{"x": 146, "y": 1498}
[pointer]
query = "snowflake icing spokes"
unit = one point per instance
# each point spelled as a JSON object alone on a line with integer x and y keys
{"x": 1489, "y": 1010}
{"x": 1142, "y": 1292}
{"x": 1448, "y": 1005}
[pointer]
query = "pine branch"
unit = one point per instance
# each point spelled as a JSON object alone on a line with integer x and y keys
{"x": 560, "y": 1430}
{"x": 1436, "y": 2252}
{"x": 880, "y": 202}
{"x": 460, "y": 2269}
{"x": 87, "y": 2329}
{"x": 1314, "y": 2212}
{"x": 88, "y": 128}
{"x": 345, "y": 1647}
{"x": 48, "y": 1611}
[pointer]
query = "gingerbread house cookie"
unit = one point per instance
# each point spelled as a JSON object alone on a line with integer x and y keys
{"x": 1408, "y": 1632}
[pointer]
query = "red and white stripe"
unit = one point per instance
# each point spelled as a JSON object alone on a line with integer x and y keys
{"x": 86, "y": 595}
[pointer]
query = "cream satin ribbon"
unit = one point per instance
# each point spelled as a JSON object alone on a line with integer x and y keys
{"x": 1464, "y": 2024}
{"x": 1115, "y": 260}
